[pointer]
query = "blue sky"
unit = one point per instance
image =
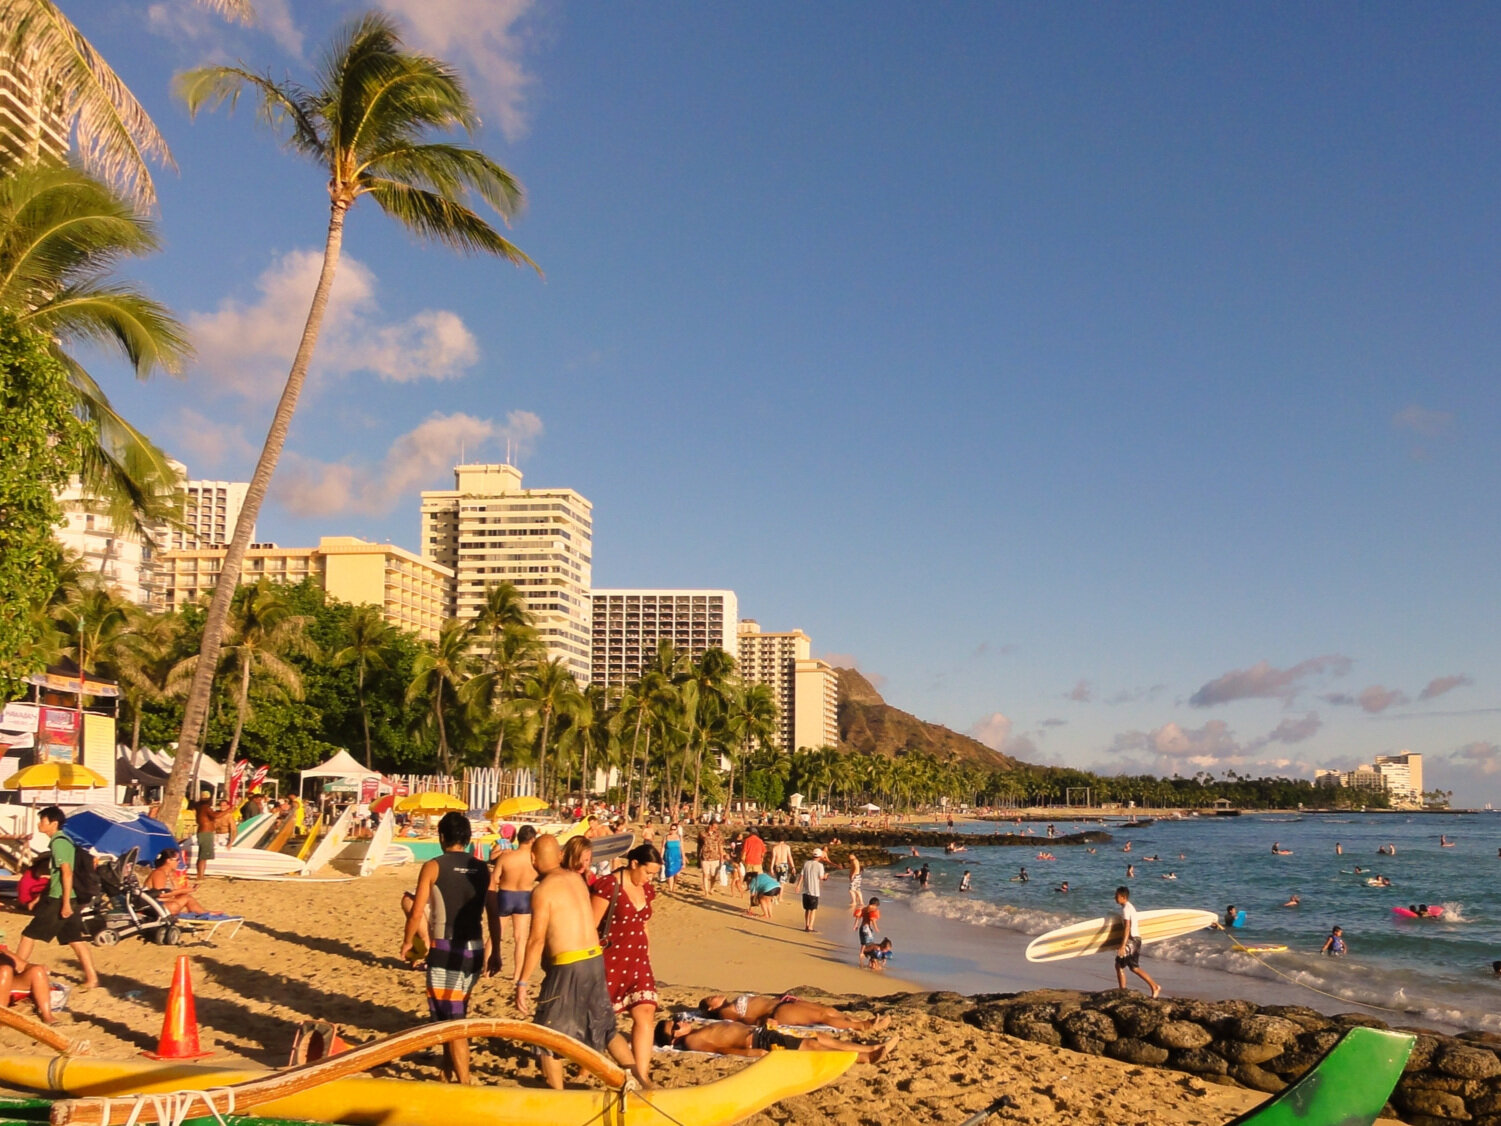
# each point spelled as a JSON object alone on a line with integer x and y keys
{"x": 1115, "y": 383}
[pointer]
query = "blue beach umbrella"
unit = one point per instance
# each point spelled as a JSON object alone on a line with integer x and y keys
{"x": 116, "y": 832}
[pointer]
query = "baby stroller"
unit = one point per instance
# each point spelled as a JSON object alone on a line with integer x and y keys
{"x": 123, "y": 908}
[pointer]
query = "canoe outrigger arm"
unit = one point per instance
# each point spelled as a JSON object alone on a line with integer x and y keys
{"x": 173, "y": 1108}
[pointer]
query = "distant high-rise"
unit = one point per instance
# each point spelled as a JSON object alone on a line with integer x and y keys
{"x": 488, "y": 529}
{"x": 629, "y": 624}
{"x": 1403, "y": 774}
{"x": 32, "y": 126}
{"x": 806, "y": 689}
{"x": 210, "y": 510}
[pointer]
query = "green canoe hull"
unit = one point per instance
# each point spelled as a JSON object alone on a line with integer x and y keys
{"x": 1348, "y": 1087}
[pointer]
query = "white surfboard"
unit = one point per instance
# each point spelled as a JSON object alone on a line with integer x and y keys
{"x": 249, "y": 863}
{"x": 375, "y": 855}
{"x": 248, "y": 832}
{"x": 1100, "y": 934}
{"x": 332, "y": 841}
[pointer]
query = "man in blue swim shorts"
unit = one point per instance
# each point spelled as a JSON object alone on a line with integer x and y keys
{"x": 512, "y": 878}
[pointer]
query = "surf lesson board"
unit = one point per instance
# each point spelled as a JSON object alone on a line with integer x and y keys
{"x": 1274, "y": 948}
{"x": 1100, "y": 934}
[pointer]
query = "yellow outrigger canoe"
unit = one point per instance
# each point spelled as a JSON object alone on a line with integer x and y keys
{"x": 98, "y": 1092}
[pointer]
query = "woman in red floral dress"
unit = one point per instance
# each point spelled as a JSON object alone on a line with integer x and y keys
{"x": 628, "y": 972}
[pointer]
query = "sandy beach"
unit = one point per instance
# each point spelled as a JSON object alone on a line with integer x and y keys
{"x": 327, "y": 950}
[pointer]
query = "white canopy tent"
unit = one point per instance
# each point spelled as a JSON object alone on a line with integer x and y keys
{"x": 342, "y": 765}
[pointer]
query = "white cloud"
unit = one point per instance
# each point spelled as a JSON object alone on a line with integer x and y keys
{"x": 1081, "y": 693}
{"x": 187, "y": 22}
{"x": 204, "y": 443}
{"x": 417, "y": 459}
{"x": 1263, "y": 681}
{"x": 486, "y": 38}
{"x": 993, "y": 730}
{"x": 247, "y": 348}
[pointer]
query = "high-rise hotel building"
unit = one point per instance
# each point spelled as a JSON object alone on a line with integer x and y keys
{"x": 806, "y": 689}
{"x": 210, "y": 511}
{"x": 629, "y": 624}
{"x": 488, "y": 529}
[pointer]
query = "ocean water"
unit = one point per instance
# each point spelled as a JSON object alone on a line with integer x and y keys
{"x": 1433, "y": 970}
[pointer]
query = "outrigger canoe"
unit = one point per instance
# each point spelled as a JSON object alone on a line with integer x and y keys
{"x": 1349, "y": 1086}
{"x": 89, "y": 1092}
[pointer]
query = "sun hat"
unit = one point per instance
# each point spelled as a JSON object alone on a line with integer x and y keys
{"x": 818, "y": 852}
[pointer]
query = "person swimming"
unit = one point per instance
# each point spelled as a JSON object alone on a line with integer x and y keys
{"x": 1293, "y": 900}
{"x": 1334, "y": 945}
{"x": 964, "y": 881}
{"x": 1063, "y": 887}
{"x": 1170, "y": 876}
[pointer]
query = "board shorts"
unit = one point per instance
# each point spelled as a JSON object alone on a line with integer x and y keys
{"x": 855, "y": 887}
{"x": 867, "y": 935}
{"x": 48, "y": 924}
{"x": 513, "y": 903}
{"x": 452, "y": 971}
{"x": 765, "y": 1039}
{"x": 1131, "y": 959}
{"x": 205, "y": 846}
{"x": 810, "y": 902}
{"x": 760, "y": 897}
{"x": 576, "y": 1002}
{"x": 711, "y": 869}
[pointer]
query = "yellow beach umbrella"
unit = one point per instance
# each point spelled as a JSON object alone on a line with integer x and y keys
{"x": 55, "y": 776}
{"x": 431, "y": 801}
{"x": 510, "y": 807}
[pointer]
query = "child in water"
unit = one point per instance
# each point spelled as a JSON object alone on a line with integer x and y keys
{"x": 1334, "y": 945}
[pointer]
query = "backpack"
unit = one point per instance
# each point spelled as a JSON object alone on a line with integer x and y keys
{"x": 85, "y": 877}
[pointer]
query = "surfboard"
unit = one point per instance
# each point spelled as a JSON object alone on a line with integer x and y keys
{"x": 1100, "y": 934}
{"x": 1275, "y": 948}
{"x": 331, "y": 842}
{"x": 247, "y": 828}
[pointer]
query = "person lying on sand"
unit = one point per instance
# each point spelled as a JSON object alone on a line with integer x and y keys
{"x": 731, "y": 1038}
{"x": 750, "y": 1008}
{"x": 33, "y": 978}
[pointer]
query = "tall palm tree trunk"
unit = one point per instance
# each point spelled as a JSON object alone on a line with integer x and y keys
{"x": 442, "y": 731}
{"x": 630, "y": 775}
{"x": 195, "y": 711}
{"x": 646, "y": 771}
{"x": 365, "y": 715}
{"x": 234, "y": 743}
{"x": 542, "y": 756}
{"x": 500, "y": 741}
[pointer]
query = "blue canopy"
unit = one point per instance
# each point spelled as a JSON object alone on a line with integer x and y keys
{"x": 116, "y": 832}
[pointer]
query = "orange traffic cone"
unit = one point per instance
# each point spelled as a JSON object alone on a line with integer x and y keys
{"x": 179, "y": 1039}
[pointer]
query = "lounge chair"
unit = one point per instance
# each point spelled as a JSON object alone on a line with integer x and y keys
{"x": 203, "y": 925}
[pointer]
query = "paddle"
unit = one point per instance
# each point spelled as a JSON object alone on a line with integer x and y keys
{"x": 42, "y": 1034}
{"x": 120, "y": 1109}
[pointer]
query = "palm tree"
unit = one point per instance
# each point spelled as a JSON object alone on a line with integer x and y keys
{"x": 369, "y": 647}
{"x": 144, "y": 664}
{"x": 366, "y": 122}
{"x": 712, "y": 672}
{"x": 262, "y": 634}
{"x": 751, "y": 722}
{"x": 91, "y": 624}
{"x": 61, "y": 235}
{"x": 549, "y": 693}
{"x": 442, "y": 672}
{"x": 514, "y": 647}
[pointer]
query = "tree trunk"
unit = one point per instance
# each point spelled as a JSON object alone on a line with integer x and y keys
{"x": 630, "y": 776}
{"x": 698, "y": 774}
{"x": 195, "y": 710}
{"x": 365, "y": 715}
{"x": 646, "y": 771}
{"x": 234, "y": 742}
{"x": 542, "y": 755}
{"x": 135, "y": 736}
{"x": 442, "y": 731}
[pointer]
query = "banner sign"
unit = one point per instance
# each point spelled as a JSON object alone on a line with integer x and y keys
{"x": 22, "y": 717}
{"x": 58, "y": 740}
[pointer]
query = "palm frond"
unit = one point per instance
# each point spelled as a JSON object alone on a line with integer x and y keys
{"x": 115, "y": 136}
{"x": 280, "y": 672}
{"x": 434, "y": 217}
{"x": 120, "y": 316}
{"x": 280, "y": 105}
{"x": 240, "y": 11}
{"x": 451, "y": 171}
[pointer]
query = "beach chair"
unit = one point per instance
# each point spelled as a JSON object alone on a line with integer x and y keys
{"x": 204, "y": 925}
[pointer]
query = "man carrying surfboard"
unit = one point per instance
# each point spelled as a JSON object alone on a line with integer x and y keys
{"x": 1128, "y": 956}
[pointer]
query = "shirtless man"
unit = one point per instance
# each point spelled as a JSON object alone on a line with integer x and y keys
{"x": 203, "y": 809}
{"x": 511, "y": 880}
{"x": 731, "y": 1038}
{"x": 574, "y": 999}
{"x": 749, "y": 1008}
{"x": 781, "y": 861}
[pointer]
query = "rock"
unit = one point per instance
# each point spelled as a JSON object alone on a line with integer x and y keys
{"x": 1359, "y": 1020}
{"x": 1433, "y": 1081}
{"x": 1423, "y": 1050}
{"x": 1131, "y": 1050}
{"x": 1436, "y": 1103}
{"x": 1258, "y": 1079}
{"x": 1466, "y": 1063}
{"x": 1259, "y": 1029}
{"x": 1310, "y": 1019}
{"x": 1318, "y": 1041}
{"x": 1137, "y": 1019}
{"x": 1181, "y": 1034}
{"x": 1292, "y": 1064}
{"x": 991, "y": 1018}
{"x": 1087, "y": 1024}
{"x": 1487, "y": 1103}
{"x": 1490, "y": 1039}
{"x": 1037, "y": 1031}
{"x": 1238, "y": 1051}
{"x": 1198, "y": 1061}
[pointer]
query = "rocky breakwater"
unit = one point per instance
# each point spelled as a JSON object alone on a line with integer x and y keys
{"x": 924, "y": 838}
{"x": 1448, "y": 1079}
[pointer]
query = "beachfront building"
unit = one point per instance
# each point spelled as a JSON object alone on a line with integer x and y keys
{"x": 487, "y": 529}
{"x": 806, "y": 690}
{"x": 629, "y": 624}
{"x": 414, "y": 594}
{"x": 32, "y": 125}
{"x": 1404, "y": 775}
{"x": 209, "y": 513}
{"x": 815, "y": 704}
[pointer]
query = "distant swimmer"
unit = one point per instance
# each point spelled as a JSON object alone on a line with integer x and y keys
{"x": 1444, "y": 842}
{"x": 1339, "y": 849}
{"x": 1292, "y": 902}
{"x": 912, "y": 849}
{"x": 1170, "y": 876}
{"x": 1130, "y": 871}
{"x": 1063, "y": 887}
{"x": 1092, "y": 851}
{"x": 1021, "y": 877}
{"x": 1359, "y": 869}
{"x": 1230, "y": 915}
{"x": 1387, "y": 850}
{"x": 964, "y": 881}
{"x": 1334, "y": 945}
{"x": 1496, "y": 968}
{"x": 1278, "y": 850}
{"x": 1127, "y": 848}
